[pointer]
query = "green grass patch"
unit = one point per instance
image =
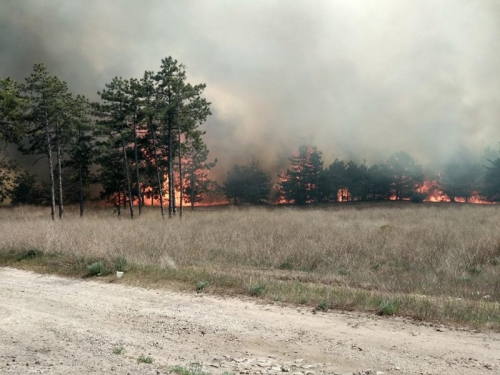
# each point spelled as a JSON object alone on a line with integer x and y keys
{"x": 343, "y": 271}
{"x": 323, "y": 306}
{"x": 389, "y": 307}
{"x": 96, "y": 269}
{"x": 121, "y": 263}
{"x": 201, "y": 285}
{"x": 118, "y": 350}
{"x": 286, "y": 265}
{"x": 256, "y": 290}
{"x": 145, "y": 359}
{"x": 30, "y": 254}
{"x": 194, "y": 368}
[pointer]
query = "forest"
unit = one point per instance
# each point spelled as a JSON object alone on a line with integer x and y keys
{"x": 142, "y": 144}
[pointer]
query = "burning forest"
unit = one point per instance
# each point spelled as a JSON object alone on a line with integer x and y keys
{"x": 142, "y": 144}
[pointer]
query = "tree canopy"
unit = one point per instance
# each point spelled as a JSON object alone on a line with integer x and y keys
{"x": 247, "y": 183}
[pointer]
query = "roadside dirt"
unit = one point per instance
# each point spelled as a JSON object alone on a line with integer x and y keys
{"x": 53, "y": 325}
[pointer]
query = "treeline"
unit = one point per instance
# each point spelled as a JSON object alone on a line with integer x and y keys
{"x": 307, "y": 180}
{"x": 141, "y": 142}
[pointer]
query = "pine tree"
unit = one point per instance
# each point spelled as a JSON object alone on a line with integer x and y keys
{"x": 113, "y": 116}
{"x": 154, "y": 133}
{"x": 180, "y": 109}
{"x": 196, "y": 170}
{"x": 406, "y": 175}
{"x": 247, "y": 183}
{"x": 301, "y": 182}
{"x": 11, "y": 130}
{"x": 333, "y": 185}
{"x": 12, "y": 107}
{"x": 81, "y": 147}
{"x": 8, "y": 168}
{"x": 47, "y": 97}
{"x": 461, "y": 180}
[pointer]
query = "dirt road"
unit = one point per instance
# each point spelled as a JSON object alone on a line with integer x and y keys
{"x": 53, "y": 325}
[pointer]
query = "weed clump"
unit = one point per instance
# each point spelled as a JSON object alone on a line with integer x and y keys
{"x": 118, "y": 350}
{"x": 201, "y": 285}
{"x": 376, "y": 266}
{"x": 194, "y": 368}
{"x": 286, "y": 265}
{"x": 256, "y": 290}
{"x": 121, "y": 263}
{"x": 145, "y": 359}
{"x": 343, "y": 271}
{"x": 30, "y": 254}
{"x": 475, "y": 270}
{"x": 323, "y": 306}
{"x": 390, "y": 307}
{"x": 96, "y": 269}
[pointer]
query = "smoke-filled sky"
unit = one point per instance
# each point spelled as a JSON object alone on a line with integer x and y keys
{"x": 358, "y": 79}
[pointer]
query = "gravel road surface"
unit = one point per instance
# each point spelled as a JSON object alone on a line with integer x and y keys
{"x": 54, "y": 325}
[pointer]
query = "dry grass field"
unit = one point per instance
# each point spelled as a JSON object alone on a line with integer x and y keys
{"x": 432, "y": 262}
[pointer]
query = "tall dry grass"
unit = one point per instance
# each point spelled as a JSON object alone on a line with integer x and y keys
{"x": 438, "y": 250}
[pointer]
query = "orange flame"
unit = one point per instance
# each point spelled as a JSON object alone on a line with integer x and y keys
{"x": 436, "y": 194}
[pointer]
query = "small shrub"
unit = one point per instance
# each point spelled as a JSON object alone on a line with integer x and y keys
{"x": 390, "y": 307}
{"x": 277, "y": 297}
{"x": 464, "y": 279}
{"x": 385, "y": 228}
{"x": 475, "y": 270}
{"x": 303, "y": 300}
{"x": 286, "y": 265}
{"x": 194, "y": 368}
{"x": 323, "y": 306}
{"x": 145, "y": 359}
{"x": 118, "y": 350}
{"x": 202, "y": 285}
{"x": 495, "y": 261}
{"x": 121, "y": 263}
{"x": 30, "y": 254}
{"x": 343, "y": 271}
{"x": 256, "y": 290}
{"x": 96, "y": 269}
{"x": 376, "y": 266}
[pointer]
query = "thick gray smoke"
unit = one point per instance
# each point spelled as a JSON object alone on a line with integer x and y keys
{"x": 357, "y": 79}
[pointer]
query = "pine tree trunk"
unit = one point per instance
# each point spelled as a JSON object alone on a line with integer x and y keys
{"x": 51, "y": 169}
{"x": 181, "y": 185}
{"x": 80, "y": 172}
{"x": 59, "y": 173}
{"x": 137, "y": 177}
{"x": 127, "y": 176}
{"x": 119, "y": 209}
{"x": 81, "y": 188}
{"x": 158, "y": 174}
{"x": 192, "y": 197}
{"x": 170, "y": 173}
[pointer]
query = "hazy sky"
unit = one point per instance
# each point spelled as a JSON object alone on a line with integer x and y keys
{"x": 358, "y": 79}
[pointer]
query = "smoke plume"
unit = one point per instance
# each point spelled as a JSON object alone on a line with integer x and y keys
{"x": 357, "y": 79}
